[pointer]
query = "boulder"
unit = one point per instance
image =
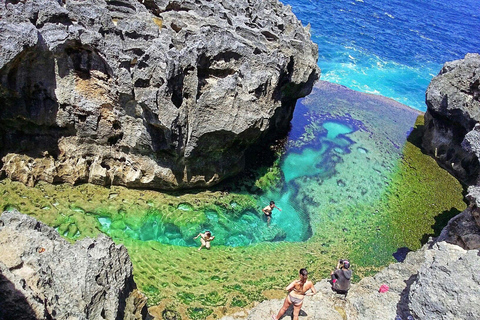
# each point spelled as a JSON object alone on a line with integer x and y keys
{"x": 43, "y": 276}
{"x": 158, "y": 94}
{"x": 453, "y": 110}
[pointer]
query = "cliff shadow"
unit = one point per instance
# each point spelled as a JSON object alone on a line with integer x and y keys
{"x": 440, "y": 222}
{"x": 13, "y": 304}
{"x": 29, "y": 103}
{"x": 416, "y": 135}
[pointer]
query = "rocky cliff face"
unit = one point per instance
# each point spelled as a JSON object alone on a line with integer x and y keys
{"x": 42, "y": 276}
{"x": 146, "y": 93}
{"x": 453, "y": 109}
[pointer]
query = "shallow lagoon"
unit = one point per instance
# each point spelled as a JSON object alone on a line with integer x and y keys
{"x": 349, "y": 183}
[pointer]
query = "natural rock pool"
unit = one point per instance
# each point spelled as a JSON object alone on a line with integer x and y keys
{"x": 351, "y": 183}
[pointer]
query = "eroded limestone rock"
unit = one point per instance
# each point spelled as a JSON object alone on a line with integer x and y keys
{"x": 453, "y": 109}
{"x": 159, "y": 94}
{"x": 43, "y": 276}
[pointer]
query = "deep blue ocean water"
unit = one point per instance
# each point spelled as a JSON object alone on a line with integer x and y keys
{"x": 389, "y": 47}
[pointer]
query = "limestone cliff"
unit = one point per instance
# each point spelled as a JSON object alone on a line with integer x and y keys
{"x": 453, "y": 109}
{"x": 146, "y": 93}
{"x": 43, "y": 276}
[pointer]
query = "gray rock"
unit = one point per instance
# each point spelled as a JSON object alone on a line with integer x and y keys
{"x": 439, "y": 281}
{"x": 453, "y": 109}
{"x": 447, "y": 285}
{"x": 43, "y": 276}
{"x": 158, "y": 94}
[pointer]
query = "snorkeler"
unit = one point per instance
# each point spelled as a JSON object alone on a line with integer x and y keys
{"x": 268, "y": 211}
{"x": 297, "y": 290}
{"x": 205, "y": 239}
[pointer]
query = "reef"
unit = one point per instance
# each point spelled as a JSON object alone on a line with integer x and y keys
{"x": 43, "y": 276}
{"x": 146, "y": 94}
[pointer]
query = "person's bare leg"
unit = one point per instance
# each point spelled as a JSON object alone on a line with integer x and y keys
{"x": 296, "y": 310}
{"x": 284, "y": 308}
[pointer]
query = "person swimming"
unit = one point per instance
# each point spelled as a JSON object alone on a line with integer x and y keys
{"x": 268, "y": 211}
{"x": 205, "y": 239}
{"x": 297, "y": 290}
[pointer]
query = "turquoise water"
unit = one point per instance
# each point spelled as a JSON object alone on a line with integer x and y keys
{"x": 332, "y": 161}
{"x": 291, "y": 224}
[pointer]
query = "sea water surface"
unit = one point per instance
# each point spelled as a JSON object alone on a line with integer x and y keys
{"x": 389, "y": 47}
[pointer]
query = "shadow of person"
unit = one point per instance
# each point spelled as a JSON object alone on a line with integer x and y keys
{"x": 13, "y": 304}
{"x": 289, "y": 313}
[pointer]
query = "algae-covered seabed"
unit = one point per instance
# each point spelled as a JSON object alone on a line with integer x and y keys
{"x": 349, "y": 183}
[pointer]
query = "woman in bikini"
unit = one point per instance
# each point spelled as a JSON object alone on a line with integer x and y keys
{"x": 297, "y": 290}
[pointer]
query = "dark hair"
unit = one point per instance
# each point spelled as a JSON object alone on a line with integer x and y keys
{"x": 208, "y": 233}
{"x": 303, "y": 272}
{"x": 272, "y": 202}
{"x": 346, "y": 264}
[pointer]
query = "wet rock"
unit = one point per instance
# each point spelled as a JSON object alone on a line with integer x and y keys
{"x": 157, "y": 94}
{"x": 43, "y": 276}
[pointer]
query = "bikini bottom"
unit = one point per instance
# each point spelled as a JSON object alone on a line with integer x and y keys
{"x": 295, "y": 300}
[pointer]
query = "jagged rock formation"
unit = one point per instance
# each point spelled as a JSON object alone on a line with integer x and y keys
{"x": 43, "y": 276}
{"x": 439, "y": 281}
{"x": 453, "y": 109}
{"x": 146, "y": 93}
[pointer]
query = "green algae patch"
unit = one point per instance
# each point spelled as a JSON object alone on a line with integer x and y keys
{"x": 422, "y": 196}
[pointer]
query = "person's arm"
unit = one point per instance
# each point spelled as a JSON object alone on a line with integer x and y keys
{"x": 198, "y": 235}
{"x": 290, "y": 286}
{"x": 278, "y": 208}
{"x": 264, "y": 210}
{"x": 311, "y": 288}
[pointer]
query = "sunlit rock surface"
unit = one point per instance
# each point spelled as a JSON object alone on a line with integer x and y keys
{"x": 422, "y": 287}
{"x": 453, "y": 109}
{"x": 157, "y": 94}
{"x": 43, "y": 276}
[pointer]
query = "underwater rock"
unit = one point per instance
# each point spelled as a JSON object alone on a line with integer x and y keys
{"x": 43, "y": 276}
{"x": 453, "y": 105}
{"x": 153, "y": 94}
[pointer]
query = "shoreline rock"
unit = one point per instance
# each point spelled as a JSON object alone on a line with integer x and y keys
{"x": 43, "y": 276}
{"x": 146, "y": 94}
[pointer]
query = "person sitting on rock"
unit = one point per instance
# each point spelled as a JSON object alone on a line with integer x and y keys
{"x": 341, "y": 277}
{"x": 205, "y": 239}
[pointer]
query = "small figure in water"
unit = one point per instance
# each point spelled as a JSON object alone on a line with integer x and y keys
{"x": 341, "y": 277}
{"x": 205, "y": 239}
{"x": 297, "y": 290}
{"x": 268, "y": 211}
